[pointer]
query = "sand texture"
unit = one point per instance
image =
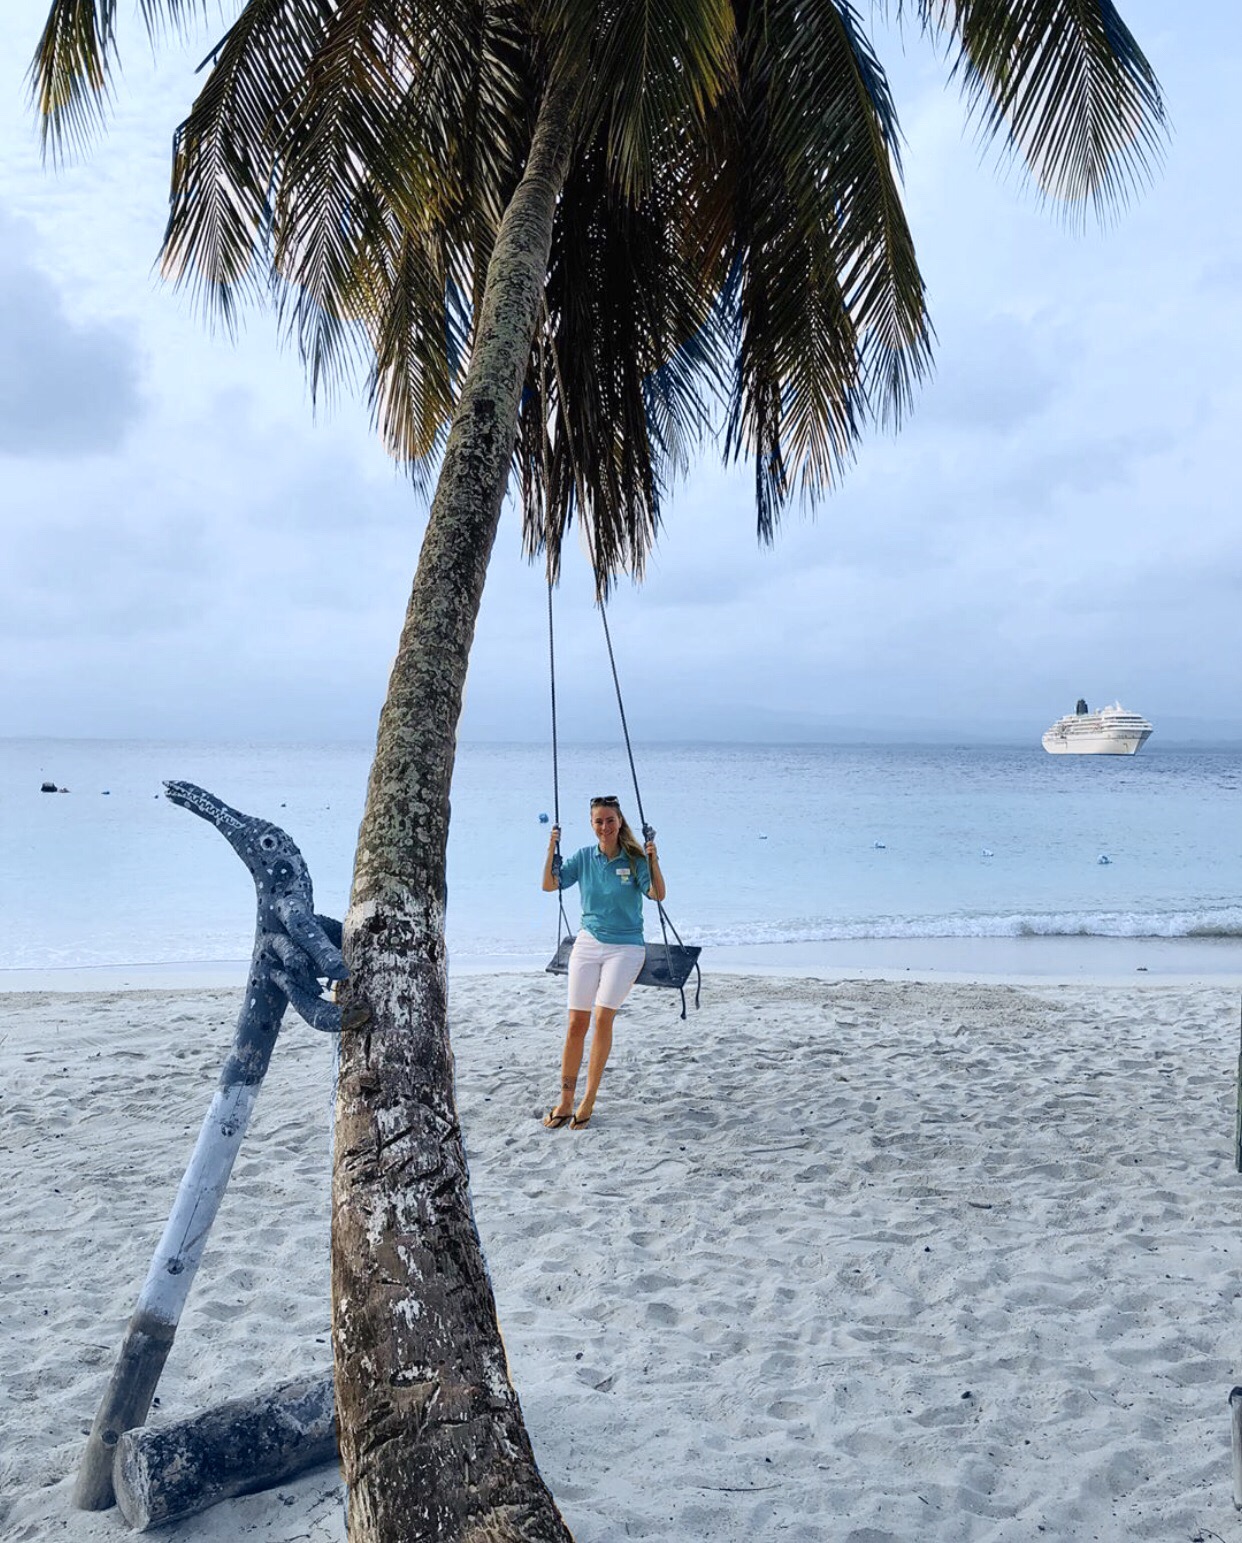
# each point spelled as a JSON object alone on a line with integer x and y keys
{"x": 858, "y": 1262}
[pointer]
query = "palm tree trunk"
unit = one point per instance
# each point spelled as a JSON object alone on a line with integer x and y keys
{"x": 433, "y": 1444}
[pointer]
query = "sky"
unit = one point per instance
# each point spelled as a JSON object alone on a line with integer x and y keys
{"x": 192, "y": 549}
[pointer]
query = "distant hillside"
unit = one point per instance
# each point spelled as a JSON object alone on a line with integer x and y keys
{"x": 766, "y": 726}
{"x": 666, "y": 716}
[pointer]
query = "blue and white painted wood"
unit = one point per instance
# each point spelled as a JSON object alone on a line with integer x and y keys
{"x": 293, "y": 950}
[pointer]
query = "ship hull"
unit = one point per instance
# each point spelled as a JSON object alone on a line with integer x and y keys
{"x": 1094, "y": 744}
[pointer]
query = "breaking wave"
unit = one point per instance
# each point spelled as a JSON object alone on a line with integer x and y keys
{"x": 1223, "y": 923}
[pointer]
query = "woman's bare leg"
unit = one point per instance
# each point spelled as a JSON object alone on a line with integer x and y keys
{"x": 571, "y": 1060}
{"x": 601, "y": 1048}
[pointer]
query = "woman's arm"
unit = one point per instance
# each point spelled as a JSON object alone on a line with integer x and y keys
{"x": 658, "y": 888}
{"x": 549, "y": 878}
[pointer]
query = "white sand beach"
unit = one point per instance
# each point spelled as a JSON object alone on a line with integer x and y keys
{"x": 848, "y": 1260}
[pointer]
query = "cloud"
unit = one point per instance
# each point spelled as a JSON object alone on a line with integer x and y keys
{"x": 1057, "y": 517}
{"x": 993, "y": 379}
{"x": 67, "y": 388}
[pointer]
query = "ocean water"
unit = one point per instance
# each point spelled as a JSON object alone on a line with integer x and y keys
{"x": 760, "y": 844}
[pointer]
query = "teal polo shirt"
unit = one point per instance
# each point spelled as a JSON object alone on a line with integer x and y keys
{"x": 612, "y": 893}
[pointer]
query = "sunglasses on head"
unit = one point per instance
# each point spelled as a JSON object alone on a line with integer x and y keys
{"x": 609, "y": 801}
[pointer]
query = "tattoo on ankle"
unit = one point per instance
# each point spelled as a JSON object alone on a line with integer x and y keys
{"x": 567, "y": 1085}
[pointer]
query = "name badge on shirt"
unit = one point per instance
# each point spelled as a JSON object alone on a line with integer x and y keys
{"x": 623, "y": 874}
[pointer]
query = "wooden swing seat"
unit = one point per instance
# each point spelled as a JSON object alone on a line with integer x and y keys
{"x": 666, "y": 964}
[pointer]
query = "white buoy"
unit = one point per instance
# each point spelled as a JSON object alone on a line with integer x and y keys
{"x": 1103, "y": 858}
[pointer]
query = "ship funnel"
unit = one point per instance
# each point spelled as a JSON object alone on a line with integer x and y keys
{"x": 1082, "y": 706}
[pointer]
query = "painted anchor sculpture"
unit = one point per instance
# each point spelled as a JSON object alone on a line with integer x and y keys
{"x": 294, "y": 949}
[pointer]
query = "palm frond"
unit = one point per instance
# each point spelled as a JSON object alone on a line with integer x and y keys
{"x": 619, "y": 386}
{"x": 327, "y": 203}
{"x": 1067, "y": 86}
{"x": 496, "y": 106}
{"x": 412, "y": 382}
{"x": 70, "y": 69}
{"x": 76, "y": 54}
{"x": 800, "y": 216}
{"x": 397, "y": 154}
{"x": 657, "y": 62}
{"x": 176, "y": 16}
{"x": 876, "y": 260}
{"x": 734, "y": 196}
{"x": 652, "y": 64}
{"x": 225, "y": 157}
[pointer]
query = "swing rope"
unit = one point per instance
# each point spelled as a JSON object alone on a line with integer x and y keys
{"x": 562, "y": 924}
{"x": 666, "y": 924}
{"x": 647, "y": 831}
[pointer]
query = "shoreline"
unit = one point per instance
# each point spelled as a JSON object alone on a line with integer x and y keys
{"x": 1039, "y": 961}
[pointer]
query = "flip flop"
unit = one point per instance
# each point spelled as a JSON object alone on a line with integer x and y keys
{"x": 576, "y": 1124}
{"x": 554, "y": 1121}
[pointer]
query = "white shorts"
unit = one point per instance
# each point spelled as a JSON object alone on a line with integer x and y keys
{"x": 601, "y": 974}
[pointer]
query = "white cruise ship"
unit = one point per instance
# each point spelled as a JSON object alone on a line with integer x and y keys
{"x": 1107, "y": 731}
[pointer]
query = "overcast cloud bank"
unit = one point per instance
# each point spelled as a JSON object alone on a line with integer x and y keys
{"x": 192, "y": 552}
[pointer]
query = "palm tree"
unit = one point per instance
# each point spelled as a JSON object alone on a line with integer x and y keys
{"x": 566, "y": 238}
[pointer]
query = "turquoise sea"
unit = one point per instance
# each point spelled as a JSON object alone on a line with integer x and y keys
{"x": 760, "y": 844}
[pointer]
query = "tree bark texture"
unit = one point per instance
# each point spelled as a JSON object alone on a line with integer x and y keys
{"x": 249, "y": 1444}
{"x": 432, "y": 1440}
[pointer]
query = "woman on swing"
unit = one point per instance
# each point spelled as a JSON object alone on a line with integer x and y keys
{"x": 608, "y": 952}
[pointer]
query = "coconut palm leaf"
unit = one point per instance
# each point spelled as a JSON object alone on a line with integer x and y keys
{"x": 622, "y": 377}
{"x": 225, "y": 158}
{"x": 801, "y": 229}
{"x": 1066, "y": 85}
{"x": 76, "y": 54}
{"x": 495, "y": 106}
{"x": 332, "y": 144}
{"x": 653, "y": 63}
{"x": 402, "y": 150}
{"x": 70, "y": 69}
{"x": 361, "y": 152}
{"x": 341, "y": 148}
{"x": 396, "y": 288}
